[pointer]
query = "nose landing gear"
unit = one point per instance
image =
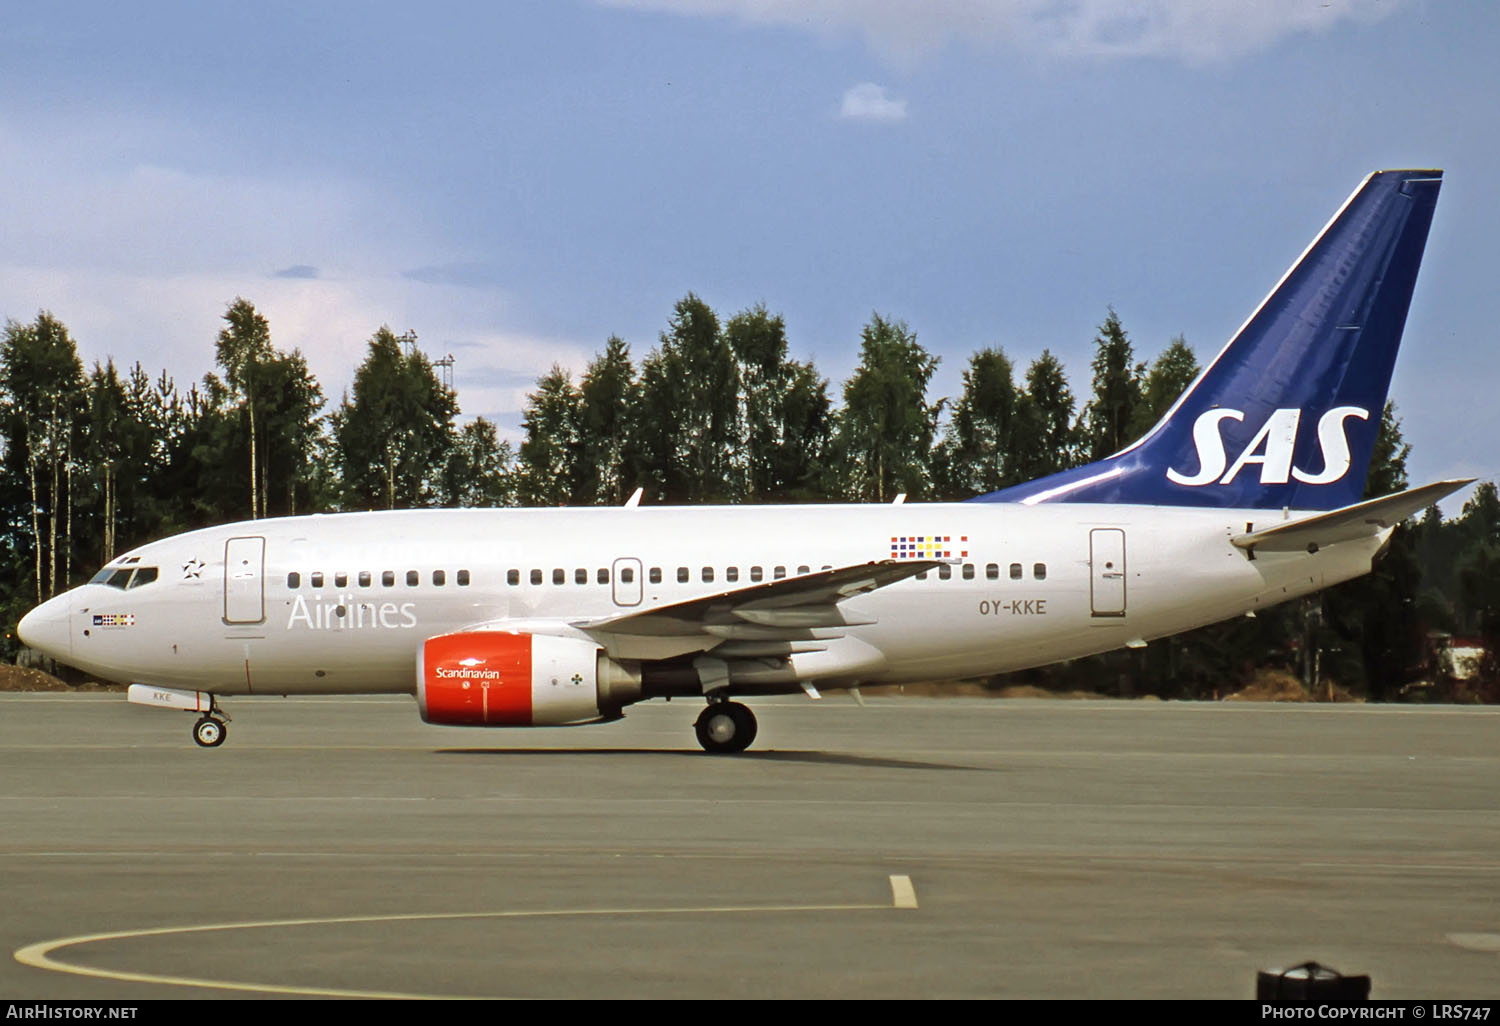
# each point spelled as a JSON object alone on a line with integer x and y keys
{"x": 725, "y": 727}
{"x": 210, "y": 732}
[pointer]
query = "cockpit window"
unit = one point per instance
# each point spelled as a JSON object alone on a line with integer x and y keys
{"x": 123, "y": 577}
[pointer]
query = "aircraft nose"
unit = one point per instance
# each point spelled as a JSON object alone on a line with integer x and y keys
{"x": 46, "y": 627}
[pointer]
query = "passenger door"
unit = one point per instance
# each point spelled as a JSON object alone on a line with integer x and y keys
{"x": 244, "y": 580}
{"x": 1107, "y": 571}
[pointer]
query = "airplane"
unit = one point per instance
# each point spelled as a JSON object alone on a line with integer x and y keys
{"x": 1247, "y": 493}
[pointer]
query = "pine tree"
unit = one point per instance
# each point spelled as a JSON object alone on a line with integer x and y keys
{"x": 783, "y": 410}
{"x": 392, "y": 438}
{"x": 1169, "y": 377}
{"x": 688, "y": 412}
{"x": 1105, "y": 427}
{"x": 549, "y": 455}
{"x": 884, "y": 432}
{"x": 976, "y": 451}
{"x": 607, "y": 398}
{"x": 1042, "y": 440}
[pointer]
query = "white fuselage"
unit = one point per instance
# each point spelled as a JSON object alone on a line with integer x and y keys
{"x": 281, "y": 606}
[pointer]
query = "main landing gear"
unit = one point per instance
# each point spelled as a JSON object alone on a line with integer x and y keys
{"x": 725, "y": 727}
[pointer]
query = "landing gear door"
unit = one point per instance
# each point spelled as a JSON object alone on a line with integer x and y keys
{"x": 244, "y": 580}
{"x": 625, "y": 576}
{"x": 1107, "y": 571}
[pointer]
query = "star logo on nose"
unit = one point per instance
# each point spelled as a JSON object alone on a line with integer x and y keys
{"x": 193, "y": 570}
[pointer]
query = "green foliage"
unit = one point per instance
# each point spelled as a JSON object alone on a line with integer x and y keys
{"x": 97, "y": 463}
{"x": 1108, "y": 419}
{"x": 44, "y": 405}
{"x": 549, "y": 455}
{"x": 1171, "y": 374}
{"x": 976, "y": 454}
{"x": 607, "y": 400}
{"x": 690, "y": 436}
{"x": 393, "y": 437}
{"x": 884, "y": 433}
{"x": 783, "y": 411}
{"x": 1042, "y": 440}
{"x": 480, "y": 470}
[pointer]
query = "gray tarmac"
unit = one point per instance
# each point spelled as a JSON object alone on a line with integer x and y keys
{"x": 340, "y": 847}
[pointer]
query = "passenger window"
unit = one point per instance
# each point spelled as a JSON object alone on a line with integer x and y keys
{"x": 922, "y": 576}
{"x": 581, "y": 576}
{"x": 463, "y": 578}
{"x": 1039, "y": 571}
{"x": 992, "y": 571}
{"x": 364, "y": 578}
{"x": 388, "y": 578}
{"x": 755, "y": 573}
{"x": 317, "y": 579}
{"x": 512, "y": 577}
{"x": 945, "y": 572}
{"x": 779, "y": 573}
{"x": 682, "y": 575}
{"x": 603, "y": 576}
{"x": 536, "y": 577}
{"x": 708, "y": 575}
{"x": 656, "y": 575}
{"x": 1015, "y": 571}
{"x": 559, "y": 575}
{"x": 627, "y": 574}
{"x": 294, "y": 580}
{"x": 732, "y": 574}
{"x": 413, "y": 578}
{"x": 804, "y": 569}
{"x": 440, "y": 577}
{"x": 968, "y": 571}
{"x": 341, "y": 580}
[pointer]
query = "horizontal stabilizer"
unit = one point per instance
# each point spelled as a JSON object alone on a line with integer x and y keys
{"x": 1362, "y": 520}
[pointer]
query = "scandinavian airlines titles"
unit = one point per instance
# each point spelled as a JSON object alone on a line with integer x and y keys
{"x": 1271, "y": 448}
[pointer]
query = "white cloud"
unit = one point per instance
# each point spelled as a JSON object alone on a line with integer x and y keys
{"x": 141, "y": 260}
{"x": 870, "y": 102}
{"x": 906, "y": 30}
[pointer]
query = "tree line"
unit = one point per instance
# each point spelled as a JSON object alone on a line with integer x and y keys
{"x": 98, "y": 461}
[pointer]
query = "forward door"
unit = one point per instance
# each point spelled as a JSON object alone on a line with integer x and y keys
{"x": 244, "y": 580}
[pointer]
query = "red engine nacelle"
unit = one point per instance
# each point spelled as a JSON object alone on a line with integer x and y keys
{"x": 494, "y": 678}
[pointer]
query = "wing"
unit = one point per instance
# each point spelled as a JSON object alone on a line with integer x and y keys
{"x": 760, "y": 618}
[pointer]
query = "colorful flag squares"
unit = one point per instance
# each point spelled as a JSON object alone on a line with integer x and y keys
{"x": 929, "y": 546}
{"x": 114, "y": 619}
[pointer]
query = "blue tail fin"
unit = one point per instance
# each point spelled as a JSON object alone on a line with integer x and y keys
{"x": 1287, "y": 414}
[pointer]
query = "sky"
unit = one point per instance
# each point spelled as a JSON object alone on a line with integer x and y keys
{"x": 516, "y": 182}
